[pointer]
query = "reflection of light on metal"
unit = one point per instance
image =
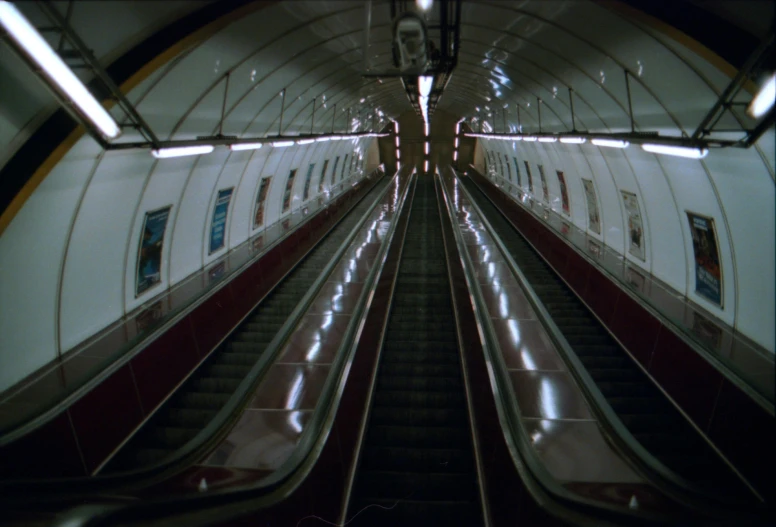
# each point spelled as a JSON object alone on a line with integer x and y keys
{"x": 313, "y": 352}
{"x": 503, "y": 305}
{"x": 528, "y": 360}
{"x": 548, "y": 401}
{"x": 491, "y": 269}
{"x": 296, "y": 391}
{"x": 514, "y": 330}
{"x": 293, "y": 420}
{"x": 327, "y": 321}
{"x": 536, "y": 436}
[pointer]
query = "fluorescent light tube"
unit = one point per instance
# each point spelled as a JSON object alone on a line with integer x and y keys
{"x": 305, "y": 141}
{"x": 180, "y": 151}
{"x": 763, "y": 101}
{"x": 424, "y": 85}
{"x": 529, "y": 138}
{"x": 336, "y": 137}
{"x": 424, "y": 5}
{"x": 573, "y": 140}
{"x": 516, "y": 138}
{"x": 282, "y": 143}
{"x": 425, "y": 148}
{"x": 320, "y": 139}
{"x": 245, "y": 146}
{"x": 36, "y": 47}
{"x": 425, "y": 165}
{"x": 681, "y": 151}
{"x": 547, "y": 139}
{"x": 612, "y": 143}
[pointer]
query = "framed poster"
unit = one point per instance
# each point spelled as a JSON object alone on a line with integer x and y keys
{"x": 322, "y": 180}
{"x": 334, "y": 171}
{"x": 149, "y": 252}
{"x": 307, "y": 181}
{"x": 261, "y": 199}
{"x": 543, "y": 178}
{"x": 564, "y": 193}
{"x": 509, "y": 168}
{"x": 635, "y": 227}
{"x": 530, "y": 179}
{"x": 517, "y": 172}
{"x": 218, "y": 223}
{"x": 593, "y": 218}
{"x": 289, "y": 188}
{"x": 344, "y": 165}
{"x": 708, "y": 272}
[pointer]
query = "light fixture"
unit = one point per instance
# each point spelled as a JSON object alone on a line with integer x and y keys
{"x": 245, "y": 146}
{"x": 424, "y": 85}
{"x": 425, "y": 148}
{"x": 423, "y": 5}
{"x": 547, "y": 139}
{"x": 681, "y": 151}
{"x": 180, "y": 151}
{"x": 396, "y": 141}
{"x": 36, "y": 47}
{"x": 516, "y": 138}
{"x": 305, "y": 141}
{"x": 426, "y": 128}
{"x": 282, "y": 143}
{"x": 335, "y": 137}
{"x": 763, "y": 101}
{"x": 321, "y": 139}
{"x": 611, "y": 143}
{"x": 396, "y": 127}
{"x": 529, "y": 138}
{"x": 398, "y": 155}
{"x": 425, "y": 165}
{"x": 455, "y": 155}
{"x": 573, "y": 140}
{"x": 456, "y": 142}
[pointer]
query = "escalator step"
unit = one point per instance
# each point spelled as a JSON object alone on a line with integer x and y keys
{"x": 391, "y": 513}
{"x": 189, "y": 417}
{"x": 390, "y": 415}
{"x": 417, "y": 485}
{"x": 215, "y": 385}
{"x": 417, "y": 459}
{"x": 419, "y": 436}
{"x": 411, "y": 369}
{"x": 416, "y": 399}
{"x": 425, "y": 384}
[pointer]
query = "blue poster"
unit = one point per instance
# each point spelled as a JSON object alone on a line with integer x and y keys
{"x": 149, "y": 254}
{"x": 708, "y": 271}
{"x": 218, "y": 225}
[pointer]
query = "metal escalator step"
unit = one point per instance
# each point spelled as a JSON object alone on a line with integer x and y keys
{"x": 611, "y": 374}
{"x": 375, "y": 512}
{"x": 150, "y": 456}
{"x": 630, "y": 404}
{"x": 417, "y": 459}
{"x": 419, "y": 357}
{"x": 192, "y": 399}
{"x": 419, "y": 436}
{"x": 588, "y": 340}
{"x": 264, "y": 336}
{"x": 189, "y": 417}
{"x": 607, "y": 362}
{"x": 407, "y": 335}
{"x": 436, "y": 346}
{"x": 237, "y": 358}
{"x": 426, "y": 384}
{"x": 613, "y": 390}
{"x": 418, "y": 399}
{"x": 226, "y": 371}
{"x": 584, "y": 350}
{"x": 245, "y": 347}
{"x": 392, "y": 415}
{"x": 412, "y": 369}
{"x": 420, "y": 485}
{"x": 215, "y": 384}
{"x": 171, "y": 436}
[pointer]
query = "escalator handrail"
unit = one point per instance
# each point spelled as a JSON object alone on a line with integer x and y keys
{"x": 532, "y": 471}
{"x": 230, "y": 411}
{"x": 293, "y": 471}
{"x": 613, "y": 425}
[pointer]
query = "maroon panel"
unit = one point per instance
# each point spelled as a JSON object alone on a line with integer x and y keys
{"x": 247, "y": 289}
{"x": 636, "y": 328}
{"x": 601, "y": 295}
{"x": 213, "y": 319}
{"x": 164, "y": 363}
{"x": 105, "y": 416}
{"x": 576, "y": 273}
{"x": 691, "y": 381}
{"x": 49, "y": 451}
{"x": 746, "y": 434}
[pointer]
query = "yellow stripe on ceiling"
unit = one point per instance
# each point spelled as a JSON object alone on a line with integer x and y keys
{"x": 193, "y": 39}
{"x": 682, "y": 38}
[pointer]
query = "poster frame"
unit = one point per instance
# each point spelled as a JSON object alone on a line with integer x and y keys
{"x": 219, "y": 193}
{"x": 627, "y": 218}
{"x": 594, "y": 201}
{"x": 256, "y": 203}
{"x": 721, "y": 304}
{"x": 168, "y": 210}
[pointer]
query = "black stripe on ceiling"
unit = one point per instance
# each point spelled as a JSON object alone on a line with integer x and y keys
{"x": 727, "y": 40}
{"x": 21, "y": 167}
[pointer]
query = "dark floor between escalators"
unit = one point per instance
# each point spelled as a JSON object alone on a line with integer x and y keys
{"x": 654, "y": 422}
{"x": 417, "y": 463}
{"x": 194, "y": 405}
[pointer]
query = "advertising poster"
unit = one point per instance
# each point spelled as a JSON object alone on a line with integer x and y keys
{"x": 517, "y": 172}
{"x": 261, "y": 198}
{"x": 289, "y": 188}
{"x": 334, "y": 171}
{"x": 218, "y": 225}
{"x": 149, "y": 257}
{"x": 564, "y": 193}
{"x": 545, "y": 192}
{"x": 322, "y": 180}
{"x": 530, "y": 179}
{"x": 307, "y": 181}
{"x": 708, "y": 273}
{"x": 635, "y": 228}
{"x": 593, "y": 219}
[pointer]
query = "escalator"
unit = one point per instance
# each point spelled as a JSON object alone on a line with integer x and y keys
{"x": 195, "y": 404}
{"x": 417, "y": 463}
{"x": 644, "y": 410}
